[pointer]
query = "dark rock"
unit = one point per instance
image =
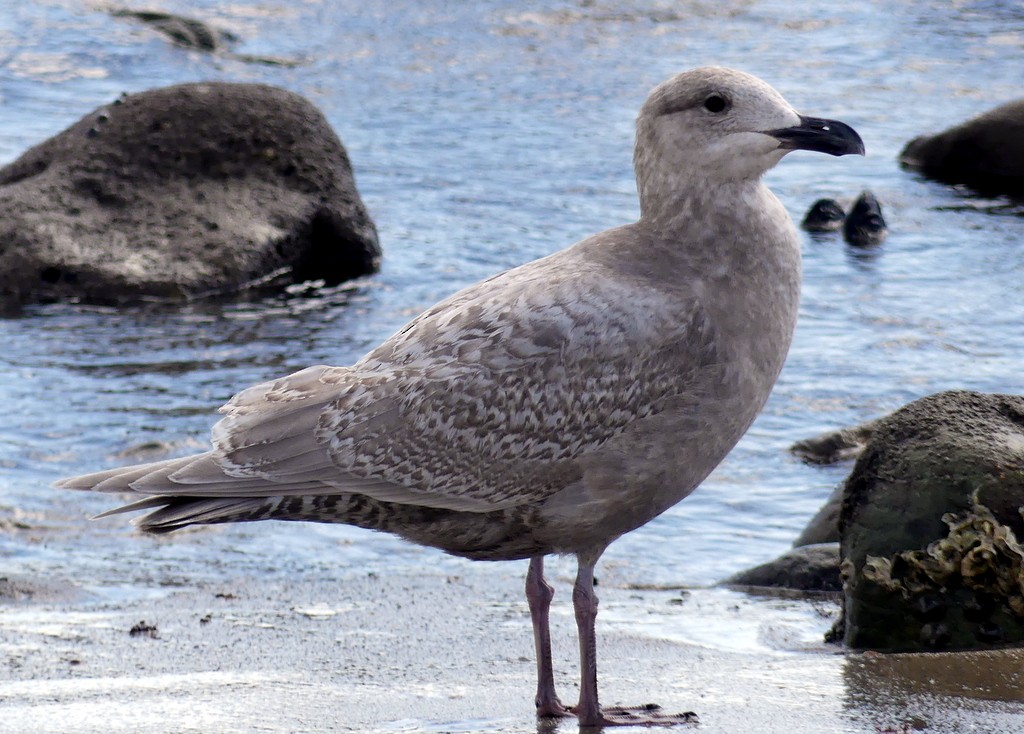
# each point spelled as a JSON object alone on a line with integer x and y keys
{"x": 809, "y": 568}
{"x": 929, "y": 522}
{"x": 143, "y": 629}
{"x": 181, "y": 192}
{"x": 864, "y": 225}
{"x": 985, "y": 153}
{"x": 185, "y": 32}
{"x": 825, "y": 215}
{"x": 930, "y": 608}
{"x": 822, "y": 532}
{"x": 830, "y": 448}
{"x": 196, "y": 35}
{"x": 824, "y": 526}
{"x": 835, "y": 446}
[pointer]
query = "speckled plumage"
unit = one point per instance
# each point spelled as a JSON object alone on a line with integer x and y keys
{"x": 555, "y": 406}
{"x": 491, "y": 403}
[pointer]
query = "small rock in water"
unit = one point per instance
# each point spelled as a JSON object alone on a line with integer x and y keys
{"x": 825, "y": 215}
{"x": 835, "y": 446}
{"x": 184, "y": 32}
{"x": 197, "y": 35}
{"x": 865, "y": 226}
{"x": 142, "y": 629}
{"x": 813, "y": 568}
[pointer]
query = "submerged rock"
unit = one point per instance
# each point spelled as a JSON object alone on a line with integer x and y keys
{"x": 825, "y": 215}
{"x": 182, "y": 31}
{"x": 144, "y": 629}
{"x": 813, "y": 564}
{"x": 835, "y": 446}
{"x": 864, "y": 225}
{"x": 985, "y": 153}
{"x": 808, "y": 568}
{"x": 929, "y": 522}
{"x": 181, "y": 192}
{"x": 824, "y": 526}
{"x": 196, "y": 35}
{"x": 845, "y": 444}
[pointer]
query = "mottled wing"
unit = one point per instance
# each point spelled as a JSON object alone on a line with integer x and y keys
{"x": 484, "y": 402}
{"x": 489, "y": 400}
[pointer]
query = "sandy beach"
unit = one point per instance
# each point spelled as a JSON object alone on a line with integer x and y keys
{"x": 433, "y": 651}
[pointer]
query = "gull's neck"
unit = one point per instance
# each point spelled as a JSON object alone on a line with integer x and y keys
{"x": 676, "y": 190}
{"x": 673, "y": 200}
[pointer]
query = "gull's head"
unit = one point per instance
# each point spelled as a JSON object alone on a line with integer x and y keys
{"x": 716, "y": 125}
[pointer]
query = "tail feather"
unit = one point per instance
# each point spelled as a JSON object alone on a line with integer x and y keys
{"x": 118, "y": 479}
{"x": 129, "y": 475}
{"x": 194, "y": 476}
{"x": 143, "y": 504}
{"x": 177, "y": 512}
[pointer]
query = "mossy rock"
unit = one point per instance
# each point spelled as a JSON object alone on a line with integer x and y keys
{"x": 939, "y": 467}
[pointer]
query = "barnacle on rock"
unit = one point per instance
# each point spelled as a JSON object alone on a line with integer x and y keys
{"x": 879, "y": 570}
{"x": 979, "y": 553}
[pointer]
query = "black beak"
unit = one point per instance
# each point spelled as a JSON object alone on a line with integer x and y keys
{"x": 825, "y": 136}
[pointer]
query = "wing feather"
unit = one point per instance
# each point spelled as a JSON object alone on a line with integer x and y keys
{"x": 486, "y": 401}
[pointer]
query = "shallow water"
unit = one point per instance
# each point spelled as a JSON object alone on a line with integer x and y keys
{"x": 484, "y": 135}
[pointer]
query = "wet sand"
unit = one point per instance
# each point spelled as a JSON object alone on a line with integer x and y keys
{"x": 435, "y": 652}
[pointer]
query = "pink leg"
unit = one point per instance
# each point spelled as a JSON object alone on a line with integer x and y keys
{"x": 588, "y": 710}
{"x": 584, "y": 602}
{"x": 538, "y": 596}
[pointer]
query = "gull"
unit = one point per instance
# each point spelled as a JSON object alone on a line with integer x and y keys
{"x": 555, "y": 406}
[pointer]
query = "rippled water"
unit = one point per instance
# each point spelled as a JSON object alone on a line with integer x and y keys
{"x": 484, "y": 135}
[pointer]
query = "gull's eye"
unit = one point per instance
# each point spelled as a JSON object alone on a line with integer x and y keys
{"x": 716, "y": 103}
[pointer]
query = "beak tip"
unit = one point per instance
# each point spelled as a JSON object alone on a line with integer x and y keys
{"x": 823, "y": 136}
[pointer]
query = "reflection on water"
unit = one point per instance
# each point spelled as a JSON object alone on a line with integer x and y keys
{"x": 991, "y": 675}
{"x": 907, "y": 692}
